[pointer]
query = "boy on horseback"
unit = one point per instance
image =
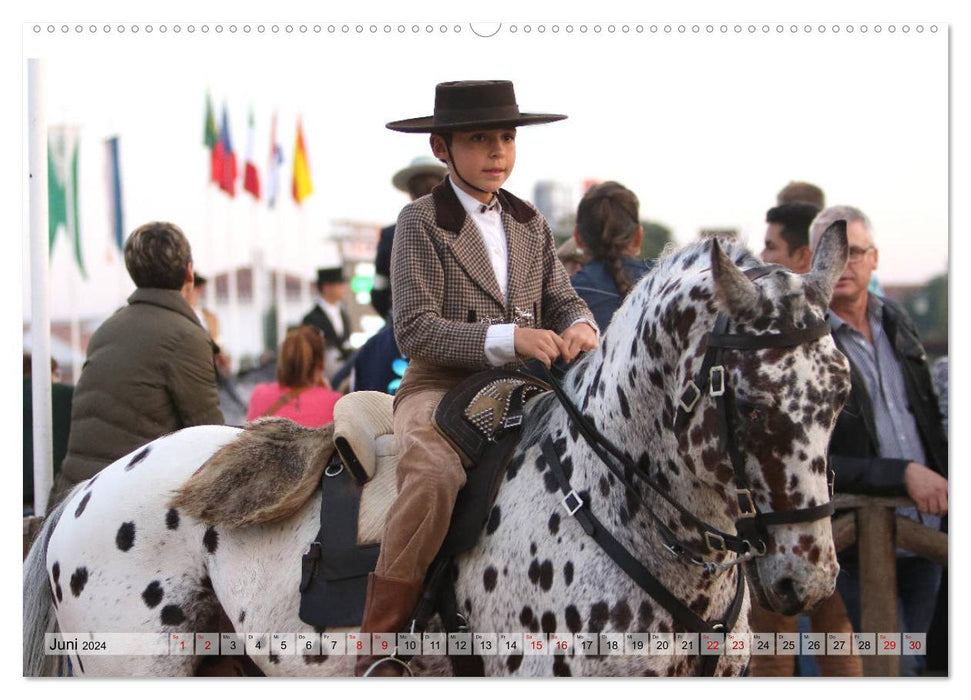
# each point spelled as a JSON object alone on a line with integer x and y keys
{"x": 476, "y": 284}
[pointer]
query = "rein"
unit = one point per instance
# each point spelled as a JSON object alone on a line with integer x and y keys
{"x": 751, "y": 524}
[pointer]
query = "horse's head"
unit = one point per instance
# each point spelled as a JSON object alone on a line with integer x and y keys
{"x": 784, "y": 383}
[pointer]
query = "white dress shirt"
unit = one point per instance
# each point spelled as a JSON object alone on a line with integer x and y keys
{"x": 333, "y": 312}
{"x": 500, "y": 344}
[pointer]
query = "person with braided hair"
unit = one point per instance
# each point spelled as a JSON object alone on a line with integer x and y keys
{"x": 608, "y": 229}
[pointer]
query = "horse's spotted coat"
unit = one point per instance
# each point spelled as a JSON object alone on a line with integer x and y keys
{"x": 125, "y": 539}
{"x": 137, "y": 458}
{"x": 786, "y": 401}
{"x": 153, "y": 593}
{"x": 138, "y": 566}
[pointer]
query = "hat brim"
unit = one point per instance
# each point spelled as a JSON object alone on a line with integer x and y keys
{"x": 401, "y": 178}
{"x": 427, "y": 125}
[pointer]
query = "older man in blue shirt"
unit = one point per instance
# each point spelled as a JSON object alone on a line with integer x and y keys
{"x": 889, "y": 439}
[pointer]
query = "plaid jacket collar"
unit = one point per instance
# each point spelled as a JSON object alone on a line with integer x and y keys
{"x": 450, "y": 214}
{"x": 468, "y": 248}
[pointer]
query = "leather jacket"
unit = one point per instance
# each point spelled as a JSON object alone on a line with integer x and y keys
{"x": 854, "y": 451}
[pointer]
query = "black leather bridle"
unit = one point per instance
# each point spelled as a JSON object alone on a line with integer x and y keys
{"x": 751, "y": 524}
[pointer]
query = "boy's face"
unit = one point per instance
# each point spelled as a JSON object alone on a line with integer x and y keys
{"x": 485, "y": 158}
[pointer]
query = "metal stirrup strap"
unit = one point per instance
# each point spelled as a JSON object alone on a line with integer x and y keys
{"x": 387, "y": 660}
{"x": 635, "y": 569}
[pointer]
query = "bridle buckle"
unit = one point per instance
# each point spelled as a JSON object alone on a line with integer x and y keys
{"x": 746, "y": 505}
{"x": 578, "y": 502}
{"x": 687, "y": 405}
{"x": 716, "y": 543}
{"x": 716, "y": 379}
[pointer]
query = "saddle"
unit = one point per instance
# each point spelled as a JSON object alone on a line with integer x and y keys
{"x": 481, "y": 418}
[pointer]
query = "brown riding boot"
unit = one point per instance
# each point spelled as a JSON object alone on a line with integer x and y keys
{"x": 389, "y": 605}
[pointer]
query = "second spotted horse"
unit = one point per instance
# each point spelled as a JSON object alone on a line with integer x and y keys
{"x": 696, "y": 449}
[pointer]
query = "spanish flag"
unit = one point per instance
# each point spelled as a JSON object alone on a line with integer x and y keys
{"x": 302, "y": 186}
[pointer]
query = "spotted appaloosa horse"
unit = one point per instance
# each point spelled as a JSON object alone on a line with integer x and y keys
{"x": 118, "y": 560}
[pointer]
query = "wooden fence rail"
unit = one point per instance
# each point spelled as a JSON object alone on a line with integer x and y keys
{"x": 870, "y": 522}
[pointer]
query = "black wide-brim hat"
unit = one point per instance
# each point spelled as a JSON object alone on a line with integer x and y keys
{"x": 473, "y": 104}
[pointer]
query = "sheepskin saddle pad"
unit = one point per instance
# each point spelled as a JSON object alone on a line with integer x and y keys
{"x": 275, "y": 466}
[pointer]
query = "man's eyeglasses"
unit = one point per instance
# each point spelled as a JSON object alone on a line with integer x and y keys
{"x": 857, "y": 254}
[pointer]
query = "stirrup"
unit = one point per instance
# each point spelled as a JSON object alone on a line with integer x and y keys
{"x": 383, "y": 659}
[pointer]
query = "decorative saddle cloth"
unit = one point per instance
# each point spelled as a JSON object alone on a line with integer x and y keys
{"x": 481, "y": 417}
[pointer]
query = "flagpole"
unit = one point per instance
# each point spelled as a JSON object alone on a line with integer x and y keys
{"x": 305, "y": 298}
{"x": 210, "y": 137}
{"x": 75, "y": 327}
{"x": 256, "y": 274}
{"x": 40, "y": 289}
{"x": 233, "y": 282}
{"x": 281, "y": 287}
{"x": 210, "y": 238}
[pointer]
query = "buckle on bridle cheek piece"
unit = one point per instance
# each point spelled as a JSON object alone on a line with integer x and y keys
{"x": 577, "y": 502}
{"x": 716, "y": 543}
{"x": 746, "y": 505}
{"x": 716, "y": 378}
{"x": 686, "y": 404}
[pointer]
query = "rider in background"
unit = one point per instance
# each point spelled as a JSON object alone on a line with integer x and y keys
{"x": 476, "y": 284}
{"x": 372, "y": 370}
{"x": 609, "y": 230}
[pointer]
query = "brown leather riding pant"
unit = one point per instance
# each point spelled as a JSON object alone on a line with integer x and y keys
{"x": 429, "y": 475}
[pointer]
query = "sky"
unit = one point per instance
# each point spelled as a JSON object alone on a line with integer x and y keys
{"x": 704, "y": 129}
{"x": 704, "y": 126}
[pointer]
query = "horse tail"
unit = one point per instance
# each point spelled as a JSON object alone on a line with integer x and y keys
{"x": 38, "y": 602}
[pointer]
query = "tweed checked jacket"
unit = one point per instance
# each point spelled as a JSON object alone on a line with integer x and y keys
{"x": 445, "y": 290}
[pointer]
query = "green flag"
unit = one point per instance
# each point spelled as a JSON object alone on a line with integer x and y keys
{"x": 62, "y": 188}
{"x": 210, "y": 133}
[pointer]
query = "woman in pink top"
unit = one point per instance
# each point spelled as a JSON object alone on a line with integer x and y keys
{"x": 300, "y": 393}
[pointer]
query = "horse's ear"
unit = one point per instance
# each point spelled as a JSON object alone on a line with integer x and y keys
{"x": 734, "y": 292}
{"x": 829, "y": 261}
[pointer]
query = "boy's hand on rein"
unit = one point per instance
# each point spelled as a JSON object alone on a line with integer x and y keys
{"x": 544, "y": 345}
{"x": 578, "y": 338}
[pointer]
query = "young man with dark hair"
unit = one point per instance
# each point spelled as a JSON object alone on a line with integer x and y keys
{"x": 787, "y": 236}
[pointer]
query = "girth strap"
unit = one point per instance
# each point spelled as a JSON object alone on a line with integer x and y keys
{"x": 630, "y": 565}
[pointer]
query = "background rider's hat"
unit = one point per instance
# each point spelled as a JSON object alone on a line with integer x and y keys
{"x": 329, "y": 275}
{"x": 422, "y": 165}
{"x": 473, "y": 104}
